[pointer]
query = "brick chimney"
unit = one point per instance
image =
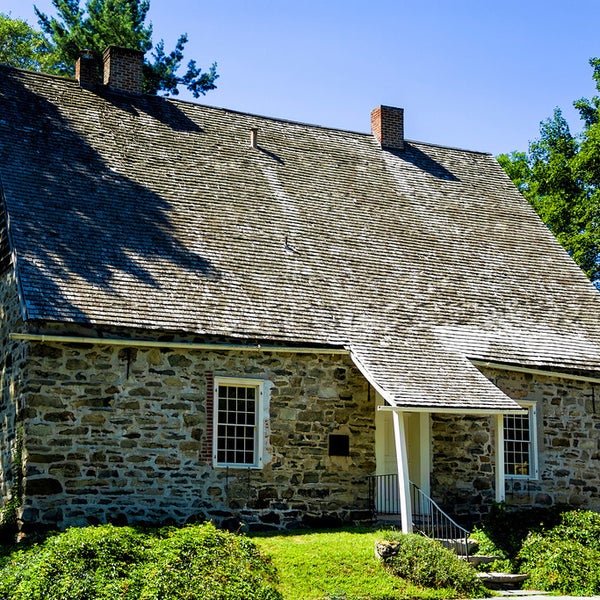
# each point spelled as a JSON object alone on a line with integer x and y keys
{"x": 387, "y": 125}
{"x": 86, "y": 69}
{"x": 123, "y": 69}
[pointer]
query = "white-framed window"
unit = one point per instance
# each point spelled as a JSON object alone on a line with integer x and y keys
{"x": 520, "y": 443}
{"x": 239, "y": 422}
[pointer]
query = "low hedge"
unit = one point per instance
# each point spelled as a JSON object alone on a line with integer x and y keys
{"x": 560, "y": 566}
{"x": 124, "y": 563}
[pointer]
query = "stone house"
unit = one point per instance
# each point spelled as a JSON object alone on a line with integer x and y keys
{"x": 214, "y": 315}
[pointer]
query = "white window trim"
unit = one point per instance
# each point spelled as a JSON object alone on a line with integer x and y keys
{"x": 262, "y": 408}
{"x": 533, "y": 444}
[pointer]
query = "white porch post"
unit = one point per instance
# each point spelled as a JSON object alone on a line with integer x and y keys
{"x": 499, "y": 431}
{"x": 425, "y": 450}
{"x": 402, "y": 464}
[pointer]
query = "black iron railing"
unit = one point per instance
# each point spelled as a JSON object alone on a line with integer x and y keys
{"x": 427, "y": 517}
{"x": 384, "y": 495}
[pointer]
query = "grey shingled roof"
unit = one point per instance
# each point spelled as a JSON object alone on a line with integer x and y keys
{"x": 151, "y": 213}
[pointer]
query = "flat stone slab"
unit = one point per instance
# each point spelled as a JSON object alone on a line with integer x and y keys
{"x": 458, "y": 545}
{"x": 502, "y": 580}
{"x": 523, "y": 593}
{"x": 479, "y": 559}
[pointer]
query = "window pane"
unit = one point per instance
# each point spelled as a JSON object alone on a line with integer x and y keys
{"x": 236, "y": 417}
{"x": 517, "y": 445}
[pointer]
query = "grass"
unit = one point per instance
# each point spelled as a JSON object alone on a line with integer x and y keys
{"x": 336, "y": 565}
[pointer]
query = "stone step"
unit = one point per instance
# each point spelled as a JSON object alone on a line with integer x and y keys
{"x": 461, "y": 546}
{"x": 479, "y": 559}
{"x": 502, "y": 581}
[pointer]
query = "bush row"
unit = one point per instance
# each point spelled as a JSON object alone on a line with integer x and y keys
{"x": 125, "y": 563}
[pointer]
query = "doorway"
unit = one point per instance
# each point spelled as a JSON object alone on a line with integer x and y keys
{"x": 418, "y": 442}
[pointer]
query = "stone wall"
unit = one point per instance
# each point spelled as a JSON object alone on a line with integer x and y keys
{"x": 119, "y": 434}
{"x": 122, "y": 435}
{"x": 568, "y": 435}
{"x": 568, "y": 430}
{"x": 462, "y": 477}
{"x": 13, "y": 357}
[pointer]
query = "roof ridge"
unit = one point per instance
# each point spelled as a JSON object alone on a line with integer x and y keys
{"x": 254, "y": 115}
{"x": 316, "y": 125}
{"x": 64, "y": 78}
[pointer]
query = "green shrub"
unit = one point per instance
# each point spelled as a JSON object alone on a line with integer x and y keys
{"x": 95, "y": 562}
{"x": 565, "y": 558}
{"x": 581, "y": 526}
{"x": 203, "y": 562}
{"x": 123, "y": 563}
{"x": 425, "y": 562}
{"x": 506, "y": 528}
{"x": 487, "y": 547}
{"x": 560, "y": 565}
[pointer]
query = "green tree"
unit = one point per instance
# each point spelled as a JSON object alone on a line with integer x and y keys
{"x": 560, "y": 176}
{"x": 22, "y": 46}
{"x": 102, "y": 23}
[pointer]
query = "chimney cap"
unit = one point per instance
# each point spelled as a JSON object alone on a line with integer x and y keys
{"x": 122, "y": 50}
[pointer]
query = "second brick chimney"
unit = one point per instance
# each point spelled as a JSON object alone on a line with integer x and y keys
{"x": 123, "y": 69}
{"x": 387, "y": 125}
{"x": 86, "y": 69}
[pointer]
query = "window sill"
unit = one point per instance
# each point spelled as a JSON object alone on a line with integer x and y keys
{"x": 236, "y": 466}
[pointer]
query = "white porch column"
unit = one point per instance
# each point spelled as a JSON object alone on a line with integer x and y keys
{"x": 425, "y": 452}
{"x": 499, "y": 435}
{"x": 402, "y": 464}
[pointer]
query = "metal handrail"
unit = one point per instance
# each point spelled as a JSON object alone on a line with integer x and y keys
{"x": 427, "y": 517}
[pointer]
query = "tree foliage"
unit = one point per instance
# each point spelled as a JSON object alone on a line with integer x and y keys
{"x": 93, "y": 27}
{"x": 22, "y": 46}
{"x": 560, "y": 176}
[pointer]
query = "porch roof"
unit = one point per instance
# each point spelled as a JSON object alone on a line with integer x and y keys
{"x": 448, "y": 382}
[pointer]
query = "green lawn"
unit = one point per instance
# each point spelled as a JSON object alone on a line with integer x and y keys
{"x": 336, "y": 565}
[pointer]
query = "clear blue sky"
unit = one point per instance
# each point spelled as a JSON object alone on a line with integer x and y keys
{"x": 478, "y": 74}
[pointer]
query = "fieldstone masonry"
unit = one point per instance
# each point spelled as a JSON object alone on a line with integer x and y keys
{"x": 120, "y": 434}
{"x": 13, "y": 357}
{"x": 568, "y": 434}
{"x": 124, "y": 434}
{"x": 462, "y": 478}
